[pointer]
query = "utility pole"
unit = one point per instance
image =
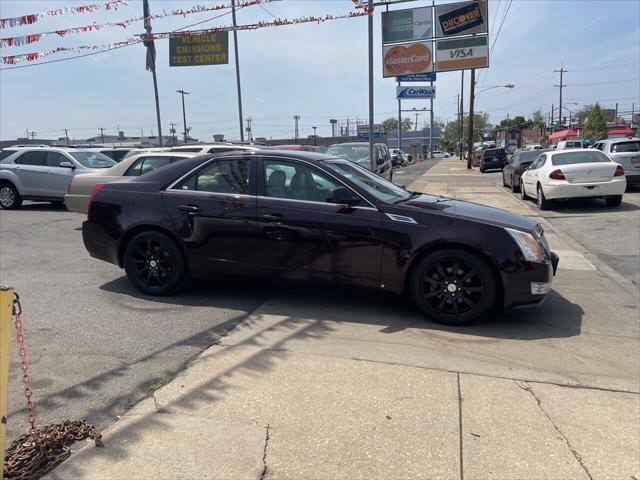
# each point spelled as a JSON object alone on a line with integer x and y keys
{"x": 66, "y": 135}
{"x": 315, "y": 135}
{"x": 295, "y": 132}
{"x": 431, "y": 126}
{"x": 249, "y": 132}
{"x": 399, "y": 119}
{"x": 370, "y": 39}
{"x": 461, "y": 135}
{"x": 348, "y": 128}
{"x": 173, "y": 133}
{"x": 615, "y": 117}
{"x": 561, "y": 71}
{"x": 151, "y": 60}
{"x": 184, "y": 116}
{"x": 101, "y": 134}
{"x": 471, "y": 102}
{"x": 416, "y": 124}
{"x": 235, "y": 47}
{"x": 633, "y": 106}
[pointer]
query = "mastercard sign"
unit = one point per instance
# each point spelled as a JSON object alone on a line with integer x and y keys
{"x": 407, "y": 58}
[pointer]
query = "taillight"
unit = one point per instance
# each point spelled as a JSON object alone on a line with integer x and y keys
{"x": 619, "y": 171}
{"x": 557, "y": 175}
{"x": 96, "y": 188}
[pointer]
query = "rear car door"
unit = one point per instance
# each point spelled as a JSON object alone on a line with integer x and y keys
{"x": 305, "y": 237}
{"x": 507, "y": 171}
{"x": 58, "y": 177}
{"x": 30, "y": 169}
{"x": 213, "y": 210}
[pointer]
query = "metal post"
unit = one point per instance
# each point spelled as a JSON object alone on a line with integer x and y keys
{"x": 633, "y": 106}
{"x": 461, "y": 142}
{"x": 399, "y": 121}
{"x": 315, "y": 136}
{"x": 370, "y": 39}
{"x": 6, "y": 314}
{"x": 235, "y": 47}
{"x": 431, "y": 127}
{"x": 155, "y": 87}
{"x": 184, "y": 116}
{"x": 471, "y": 100}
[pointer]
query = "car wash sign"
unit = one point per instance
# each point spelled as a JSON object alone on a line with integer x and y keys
{"x": 461, "y": 18}
{"x": 407, "y": 25}
{"x": 462, "y": 53}
{"x": 187, "y": 50}
{"x": 408, "y": 93}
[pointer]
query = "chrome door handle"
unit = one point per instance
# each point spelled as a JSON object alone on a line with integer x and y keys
{"x": 275, "y": 217}
{"x": 190, "y": 208}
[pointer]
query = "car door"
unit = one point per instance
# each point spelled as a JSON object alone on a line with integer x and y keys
{"x": 507, "y": 171}
{"x": 57, "y": 178}
{"x": 213, "y": 209}
{"x": 305, "y": 237}
{"x": 30, "y": 169}
{"x": 528, "y": 176}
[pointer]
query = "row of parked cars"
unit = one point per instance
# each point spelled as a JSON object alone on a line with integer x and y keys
{"x": 569, "y": 171}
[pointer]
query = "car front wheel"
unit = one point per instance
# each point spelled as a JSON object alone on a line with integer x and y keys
{"x": 453, "y": 286}
{"x": 9, "y": 197}
{"x": 154, "y": 264}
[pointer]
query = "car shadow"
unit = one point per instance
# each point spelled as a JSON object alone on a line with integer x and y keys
{"x": 44, "y": 207}
{"x": 555, "y": 318}
{"x": 591, "y": 205}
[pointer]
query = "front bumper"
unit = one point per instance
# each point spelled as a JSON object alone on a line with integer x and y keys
{"x": 530, "y": 286}
{"x": 616, "y": 186}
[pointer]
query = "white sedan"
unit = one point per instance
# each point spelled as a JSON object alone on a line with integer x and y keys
{"x": 563, "y": 174}
{"x": 439, "y": 154}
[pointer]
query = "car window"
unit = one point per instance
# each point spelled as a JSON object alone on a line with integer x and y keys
{"x": 54, "y": 159}
{"x": 134, "y": 170}
{"x": 93, "y": 159}
{"x": 295, "y": 181}
{"x": 151, "y": 163}
{"x": 222, "y": 176}
{"x": 572, "y": 158}
{"x": 356, "y": 153}
{"x": 6, "y": 153}
{"x": 32, "y": 158}
{"x": 623, "y": 147}
{"x": 373, "y": 184}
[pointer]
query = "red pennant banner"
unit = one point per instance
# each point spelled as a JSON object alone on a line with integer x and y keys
{"x": 33, "y": 17}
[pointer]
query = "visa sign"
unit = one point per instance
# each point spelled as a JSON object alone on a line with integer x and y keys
{"x": 416, "y": 92}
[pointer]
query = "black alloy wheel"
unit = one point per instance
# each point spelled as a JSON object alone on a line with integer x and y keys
{"x": 154, "y": 263}
{"x": 453, "y": 287}
{"x": 9, "y": 197}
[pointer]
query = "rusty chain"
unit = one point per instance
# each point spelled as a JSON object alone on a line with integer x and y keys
{"x": 36, "y": 453}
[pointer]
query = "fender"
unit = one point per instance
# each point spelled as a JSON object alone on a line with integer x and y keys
{"x": 8, "y": 175}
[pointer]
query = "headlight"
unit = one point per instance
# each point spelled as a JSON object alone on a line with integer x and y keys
{"x": 529, "y": 246}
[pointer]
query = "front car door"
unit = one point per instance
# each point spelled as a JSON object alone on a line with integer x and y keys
{"x": 530, "y": 178}
{"x": 305, "y": 237}
{"x": 58, "y": 178}
{"x": 213, "y": 210}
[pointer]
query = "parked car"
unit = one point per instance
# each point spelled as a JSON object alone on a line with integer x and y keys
{"x": 117, "y": 153}
{"x": 81, "y": 186}
{"x": 137, "y": 151}
{"x": 534, "y": 146}
{"x": 358, "y": 152}
{"x": 477, "y": 153}
{"x": 577, "y": 173}
{"x": 202, "y": 148}
{"x": 307, "y": 216}
{"x": 626, "y": 152}
{"x": 406, "y": 158}
{"x": 304, "y": 148}
{"x": 44, "y": 173}
{"x": 518, "y": 163}
{"x": 439, "y": 154}
{"x": 567, "y": 144}
{"x": 493, "y": 159}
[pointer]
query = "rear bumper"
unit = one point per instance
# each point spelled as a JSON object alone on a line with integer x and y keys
{"x": 98, "y": 243}
{"x": 77, "y": 203}
{"x": 616, "y": 186}
{"x": 524, "y": 288}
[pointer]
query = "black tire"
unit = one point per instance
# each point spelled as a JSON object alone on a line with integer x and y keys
{"x": 154, "y": 264}
{"x": 453, "y": 286}
{"x": 543, "y": 203}
{"x": 481, "y": 169}
{"x": 10, "y": 199}
{"x": 613, "y": 201}
{"x": 515, "y": 186}
{"x": 504, "y": 182}
{"x": 523, "y": 194}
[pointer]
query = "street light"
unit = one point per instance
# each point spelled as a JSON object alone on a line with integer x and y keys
{"x": 184, "y": 116}
{"x": 315, "y": 136}
{"x": 508, "y": 85}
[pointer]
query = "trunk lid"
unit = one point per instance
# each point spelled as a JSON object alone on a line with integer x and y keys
{"x": 597, "y": 172}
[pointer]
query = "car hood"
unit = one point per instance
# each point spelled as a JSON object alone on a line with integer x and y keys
{"x": 468, "y": 211}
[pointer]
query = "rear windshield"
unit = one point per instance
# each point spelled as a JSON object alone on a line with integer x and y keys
{"x": 93, "y": 159}
{"x": 623, "y": 147}
{"x": 495, "y": 152}
{"x": 571, "y": 158}
{"x": 529, "y": 155}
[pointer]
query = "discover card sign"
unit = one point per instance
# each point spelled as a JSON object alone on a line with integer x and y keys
{"x": 461, "y": 18}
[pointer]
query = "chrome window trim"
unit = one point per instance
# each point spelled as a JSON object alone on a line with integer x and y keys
{"x": 237, "y": 196}
{"x": 311, "y": 202}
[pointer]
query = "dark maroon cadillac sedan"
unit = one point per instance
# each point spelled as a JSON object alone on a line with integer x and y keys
{"x": 306, "y": 216}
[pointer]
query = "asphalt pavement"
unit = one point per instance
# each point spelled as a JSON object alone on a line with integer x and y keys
{"x": 611, "y": 233}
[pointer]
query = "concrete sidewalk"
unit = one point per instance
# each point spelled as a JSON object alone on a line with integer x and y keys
{"x": 354, "y": 385}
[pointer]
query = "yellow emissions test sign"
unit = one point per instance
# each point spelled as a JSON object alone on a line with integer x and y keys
{"x": 201, "y": 49}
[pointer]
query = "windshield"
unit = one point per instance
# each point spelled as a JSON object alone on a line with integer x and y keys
{"x": 370, "y": 182}
{"x": 93, "y": 159}
{"x": 571, "y": 158}
{"x": 355, "y": 153}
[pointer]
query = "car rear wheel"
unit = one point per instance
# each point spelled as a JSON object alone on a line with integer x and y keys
{"x": 154, "y": 264}
{"x": 613, "y": 201}
{"x": 515, "y": 186}
{"x": 9, "y": 197}
{"x": 543, "y": 203}
{"x": 453, "y": 286}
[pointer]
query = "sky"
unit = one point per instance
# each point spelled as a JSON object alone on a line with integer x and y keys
{"x": 317, "y": 71}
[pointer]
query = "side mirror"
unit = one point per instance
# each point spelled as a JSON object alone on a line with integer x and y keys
{"x": 343, "y": 196}
{"x": 67, "y": 165}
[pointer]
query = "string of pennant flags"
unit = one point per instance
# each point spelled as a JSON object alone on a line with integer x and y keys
{"x": 278, "y": 22}
{"x": 32, "y": 38}
{"x": 34, "y": 17}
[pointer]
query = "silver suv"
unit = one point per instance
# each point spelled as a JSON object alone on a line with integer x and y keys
{"x": 358, "y": 152}
{"x": 43, "y": 173}
{"x": 626, "y": 152}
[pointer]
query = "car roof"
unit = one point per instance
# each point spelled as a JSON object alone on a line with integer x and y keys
{"x": 356, "y": 143}
{"x": 164, "y": 154}
{"x": 619, "y": 140}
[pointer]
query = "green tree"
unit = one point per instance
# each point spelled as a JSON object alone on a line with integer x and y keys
{"x": 595, "y": 127}
{"x": 480, "y": 124}
{"x": 390, "y": 125}
{"x": 537, "y": 119}
{"x": 449, "y": 139}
